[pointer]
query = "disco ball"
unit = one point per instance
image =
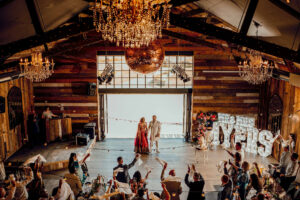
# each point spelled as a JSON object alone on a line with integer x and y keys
{"x": 145, "y": 59}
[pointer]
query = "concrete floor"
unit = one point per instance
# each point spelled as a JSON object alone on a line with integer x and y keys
{"x": 175, "y": 151}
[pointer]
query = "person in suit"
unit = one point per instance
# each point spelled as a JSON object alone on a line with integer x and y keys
{"x": 122, "y": 170}
{"x": 154, "y": 127}
{"x": 196, "y": 187}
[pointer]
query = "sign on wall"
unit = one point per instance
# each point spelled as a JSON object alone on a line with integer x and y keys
{"x": 245, "y": 130}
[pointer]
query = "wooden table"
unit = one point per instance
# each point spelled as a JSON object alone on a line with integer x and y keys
{"x": 55, "y": 130}
{"x": 66, "y": 126}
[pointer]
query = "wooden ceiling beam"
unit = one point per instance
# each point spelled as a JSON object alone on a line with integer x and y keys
{"x": 233, "y": 37}
{"x": 286, "y": 8}
{"x": 61, "y": 32}
{"x": 248, "y": 17}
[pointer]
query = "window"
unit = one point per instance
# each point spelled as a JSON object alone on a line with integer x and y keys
{"x": 163, "y": 78}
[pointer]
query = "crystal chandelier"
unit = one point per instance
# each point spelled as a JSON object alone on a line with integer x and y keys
{"x": 38, "y": 69}
{"x": 131, "y": 23}
{"x": 254, "y": 69}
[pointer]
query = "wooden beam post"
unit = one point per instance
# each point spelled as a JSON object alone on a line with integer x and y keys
{"x": 248, "y": 17}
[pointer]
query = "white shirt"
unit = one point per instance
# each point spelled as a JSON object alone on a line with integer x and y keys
{"x": 291, "y": 169}
{"x": 242, "y": 152}
{"x": 155, "y": 129}
{"x": 284, "y": 159}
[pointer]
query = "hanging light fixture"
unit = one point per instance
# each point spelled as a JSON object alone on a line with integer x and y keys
{"x": 254, "y": 69}
{"x": 131, "y": 23}
{"x": 37, "y": 69}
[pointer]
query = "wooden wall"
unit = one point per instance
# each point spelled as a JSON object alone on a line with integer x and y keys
{"x": 290, "y": 96}
{"x": 68, "y": 87}
{"x": 221, "y": 92}
{"x": 12, "y": 139}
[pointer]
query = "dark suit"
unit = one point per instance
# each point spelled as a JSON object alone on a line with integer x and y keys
{"x": 196, "y": 188}
{"x": 124, "y": 176}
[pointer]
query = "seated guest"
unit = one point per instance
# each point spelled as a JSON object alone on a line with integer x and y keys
{"x": 284, "y": 160}
{"x": 122, "y": 174}
{"x": 173, "y": 184}
{"x": 196, "y": 187}
{"x": 291, "y": 171}
{"x": 11, "y": 193}
{"x": 36, "y": 188}
{"x": 138, "y": 182}
{"x": 21, "y": 191}
{"x": 226, "y": 192}
{"x": 76, "y": 164}
{"x": 139, "y": 195}
{"x": 73, "y": 180}
{"x": 256, "y": 181}
{"x": 63, "y": 191}
{"x": 294, "y": 189}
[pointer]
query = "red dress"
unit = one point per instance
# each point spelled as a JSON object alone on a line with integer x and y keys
{"x": 141, "y": 141}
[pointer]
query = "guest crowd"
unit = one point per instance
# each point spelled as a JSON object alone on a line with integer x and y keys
{"x": 240, "y": 180}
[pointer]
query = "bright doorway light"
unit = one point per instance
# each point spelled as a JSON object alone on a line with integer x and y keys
{"x": 125, "y": 111}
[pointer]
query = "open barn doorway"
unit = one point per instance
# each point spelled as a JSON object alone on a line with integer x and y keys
{"x": 125, "y": 110}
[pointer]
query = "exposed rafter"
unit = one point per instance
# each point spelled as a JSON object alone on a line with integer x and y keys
{"x": 248, "y": 17}
{"x": 286, "y": 8}
{"x": 56, "y": 34}
{"x": 236, "y": 38}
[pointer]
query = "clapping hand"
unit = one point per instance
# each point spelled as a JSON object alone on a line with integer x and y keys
{"x": 189, "y": 169}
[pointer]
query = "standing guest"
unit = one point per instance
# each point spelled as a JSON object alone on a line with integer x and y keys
{"x": 173, "y": 184}
{"x": 291, "y": 172}
{"x": 21, "y": 191}
{"x": 232, "y": 172}
{"x": 34, "y": 128}
{"x": 10, "y": 194}
{"x": 154, "y": 127}
{"x": 242, "y": 178}
{"x": 74, "y": 163}
{"x": 284, "y": 159}
{"x": 141, "y": 140}
{"x": 226, "y": 192}
{"x": 47, "y": 114}
{"x": 196, "y": 187}
{"x": 238, "y": 148}
{"x": 123, "y": 175}
{"x": 73, "y": 180}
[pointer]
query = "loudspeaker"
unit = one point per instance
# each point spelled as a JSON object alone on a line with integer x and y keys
{"x": 2, "y": 105}
{"x": 92, "y": 87}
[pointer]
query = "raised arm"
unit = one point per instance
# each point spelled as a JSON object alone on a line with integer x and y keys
{"x": 231, "y": 154}
{"x": 146, "y": 177}
{"x": 134, "y": 161}
{"x": 163, "y": 172}
{"x": 257, "y": 169}
{"x": 167, "y": 194}
{"x": 234, "y": 166}
{"x": 186, "y": 179}
{"x": 29, "y": 177}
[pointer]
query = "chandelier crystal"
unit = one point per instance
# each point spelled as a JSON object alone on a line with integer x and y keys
{"x": 254, "y": 69}
{"x": 131, "y": 23}
{"x": 38, "y": 69}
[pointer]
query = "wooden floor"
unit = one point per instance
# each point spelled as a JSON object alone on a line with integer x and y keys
{"x": 175, "y": 151}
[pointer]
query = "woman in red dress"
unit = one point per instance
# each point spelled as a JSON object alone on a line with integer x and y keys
{"x": 141, "y": 140}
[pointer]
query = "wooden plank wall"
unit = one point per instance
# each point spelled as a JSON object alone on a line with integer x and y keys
{"x": 68, "y": 87}
{"x": 12, "y": 138}
{"x": 221, "y": 92}
{"x": 290, "y": 96}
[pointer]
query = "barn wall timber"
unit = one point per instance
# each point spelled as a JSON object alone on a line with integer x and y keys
{"x": 68, "y": 87}
{"x": 12, "y": 139}
{"x": 221, "y": 92}
{"x": 290, "y": 96}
